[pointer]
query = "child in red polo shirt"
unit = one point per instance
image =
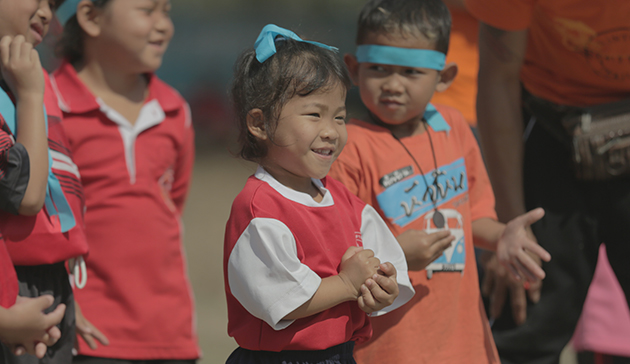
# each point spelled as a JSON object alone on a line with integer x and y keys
{"x": 26, "y": 185}
{"x": 132, "y": 139}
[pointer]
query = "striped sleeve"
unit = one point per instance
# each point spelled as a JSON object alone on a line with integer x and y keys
{"x": 14, "y": 171}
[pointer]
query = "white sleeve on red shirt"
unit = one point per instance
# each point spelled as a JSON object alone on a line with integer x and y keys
{"x": 377, "y": 237}
{"x": 265, "y": 274}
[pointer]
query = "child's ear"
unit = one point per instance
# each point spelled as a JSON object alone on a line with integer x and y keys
{"x": 256, "y": 124}
{"x": 88, "y": 17}
{"x": 447, "y": 75}
{"x": 353, "y": 67}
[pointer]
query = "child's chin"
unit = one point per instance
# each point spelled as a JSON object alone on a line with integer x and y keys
{"x": 322, "y": 175}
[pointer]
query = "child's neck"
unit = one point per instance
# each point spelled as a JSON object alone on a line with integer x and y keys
{"x": 124, "y": 92}
{"x": 409, "y": 128}
{"x": 296, "y": 183}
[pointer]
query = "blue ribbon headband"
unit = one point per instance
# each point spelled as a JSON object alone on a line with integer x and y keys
{"x": 406, "y": 57}
{"x": 56, "y": 203}
{"x": 265, "y": 45}
{"x": 67, "y": 10}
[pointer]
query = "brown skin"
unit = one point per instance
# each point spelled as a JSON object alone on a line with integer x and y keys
{"x": 357, "y": 280}
{"x": 88, "y": 332}
{"x": 26, "y": 329}
{"x": 21, "y": 69}
{"x": 500, "y": 126}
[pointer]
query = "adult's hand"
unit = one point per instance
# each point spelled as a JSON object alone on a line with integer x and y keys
{"x": 498, "y": 283}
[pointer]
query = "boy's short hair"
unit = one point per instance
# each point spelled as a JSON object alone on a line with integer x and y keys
{"x": 429, "y": 17}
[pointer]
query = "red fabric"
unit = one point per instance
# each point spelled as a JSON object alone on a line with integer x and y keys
{"x": 6, "y": 142}
{"x": 8, "y": 279}
{"x": 578, "y": 51}
{"x": 312, "y": 229}
{"x": 137, "y": 293}
{"x": 445, "y": 322}
{"x": 37, "y": 240}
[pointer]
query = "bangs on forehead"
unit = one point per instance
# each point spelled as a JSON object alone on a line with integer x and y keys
{"x": 308, "y": 76}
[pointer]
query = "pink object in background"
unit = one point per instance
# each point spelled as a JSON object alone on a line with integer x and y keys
{"x": 605, "y": 323}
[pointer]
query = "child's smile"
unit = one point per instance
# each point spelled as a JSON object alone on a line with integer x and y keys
{"x": 310, "y": 134}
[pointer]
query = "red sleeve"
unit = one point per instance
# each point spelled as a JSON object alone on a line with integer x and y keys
{"x": 185, "y": 161}
{"x": 510, "y": 15}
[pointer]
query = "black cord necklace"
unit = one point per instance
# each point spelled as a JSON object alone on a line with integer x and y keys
{"x": 438, "y": 218}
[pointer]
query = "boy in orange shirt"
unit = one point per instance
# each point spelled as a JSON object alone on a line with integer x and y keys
{"x": 420, "y": 167}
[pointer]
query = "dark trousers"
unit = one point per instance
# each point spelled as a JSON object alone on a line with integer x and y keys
{"x": 35, "y": 281}
{"x": 579, "y": 217}
{"x": 339, "y": 354}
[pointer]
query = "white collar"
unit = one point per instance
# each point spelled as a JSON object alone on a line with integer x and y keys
{"x": 293, "y": 195}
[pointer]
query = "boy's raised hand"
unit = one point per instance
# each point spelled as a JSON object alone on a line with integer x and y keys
{"x": 20, "y": 67}
{"x": 26, "y": 327}
{"x": 379, "y": 291}
{"x": 421, "y": 248}
{"x": 515, "y": 246}
{"x": 357, "y": 265}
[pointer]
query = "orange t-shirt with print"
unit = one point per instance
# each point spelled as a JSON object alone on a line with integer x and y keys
{"x": 578, "y": 51}
{"x": 445, "y": 321}
{"x": 464, "y": 51}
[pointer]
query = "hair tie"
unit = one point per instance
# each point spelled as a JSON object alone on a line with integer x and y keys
{"x": 265, "y": 45}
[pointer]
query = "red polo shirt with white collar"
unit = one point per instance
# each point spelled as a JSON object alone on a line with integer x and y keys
{"x": 136, "y": 177}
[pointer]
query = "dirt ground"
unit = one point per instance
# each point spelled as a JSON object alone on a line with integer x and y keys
{"x": 218, "y": 178}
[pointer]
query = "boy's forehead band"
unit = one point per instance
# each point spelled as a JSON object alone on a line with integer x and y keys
{"x": 67, "y": 10}
{"x": 265, "y": 45}
{"x": 406, "y": 57}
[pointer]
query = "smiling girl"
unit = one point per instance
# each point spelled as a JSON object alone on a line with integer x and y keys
{"x": 302, "y": 255}
{"x": 133, "y": 143}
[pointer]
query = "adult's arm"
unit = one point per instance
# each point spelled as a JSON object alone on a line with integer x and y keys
{"x": 500, "y": 124}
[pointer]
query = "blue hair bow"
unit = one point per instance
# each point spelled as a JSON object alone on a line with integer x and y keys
{"x": 265, "y": 45}
{"x": 67, "y": 10}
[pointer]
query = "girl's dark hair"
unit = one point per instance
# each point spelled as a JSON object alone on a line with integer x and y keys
{"x": 70, "y": 45}
{"x": 58, "y": 3}
{"x": 297, "y": 69}
{"x": 429, "y": 17}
